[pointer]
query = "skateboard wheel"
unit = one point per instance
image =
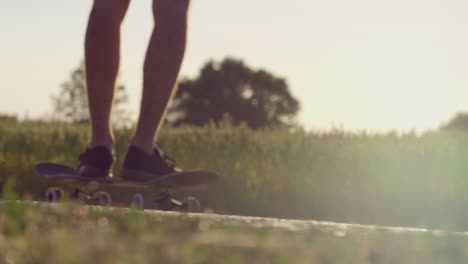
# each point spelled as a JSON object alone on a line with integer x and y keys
{"x": 53, "y": 195}
{"x": 191, "y": 204}
{"x": 138, "y": 201}
{"x": 101, "y": 198}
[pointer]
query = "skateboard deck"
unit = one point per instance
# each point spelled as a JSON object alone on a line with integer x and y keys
{"x": 178, "y": 180}
{"x": 66, "y": 181}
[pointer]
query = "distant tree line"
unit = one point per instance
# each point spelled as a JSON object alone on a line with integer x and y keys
{"x": 8, "y": 118}
{"x": 458, "y": 122}
{"x": 224, "y": 92}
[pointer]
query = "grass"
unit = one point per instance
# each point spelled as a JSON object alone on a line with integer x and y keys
{"x": 39, "y": 233}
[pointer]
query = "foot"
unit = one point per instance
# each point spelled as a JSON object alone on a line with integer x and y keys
{"x": 140, "y": 166}
{"x": 96, "y": 162}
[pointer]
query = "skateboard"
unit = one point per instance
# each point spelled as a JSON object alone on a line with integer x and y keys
{"x": 155, "y": 194}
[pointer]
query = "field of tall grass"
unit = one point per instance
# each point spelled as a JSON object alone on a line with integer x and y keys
{"x": 383, "y": 179}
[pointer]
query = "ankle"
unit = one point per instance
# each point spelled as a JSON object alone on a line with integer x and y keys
{"x": 109, "y": 144}
{"x": 146, "y": 146}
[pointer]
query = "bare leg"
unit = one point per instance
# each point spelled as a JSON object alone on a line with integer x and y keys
{"x": 163, "y": 60}
{"x": 102, "y": 48}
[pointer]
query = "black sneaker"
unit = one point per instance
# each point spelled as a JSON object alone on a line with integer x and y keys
{"x": 96, "y": 163}
{"x": 139, "y": 166}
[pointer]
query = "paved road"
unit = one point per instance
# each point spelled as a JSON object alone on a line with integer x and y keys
{"x": 337, "y": 229}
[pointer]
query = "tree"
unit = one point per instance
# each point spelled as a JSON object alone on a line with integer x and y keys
{"x": 71, "y": 105}
{"x": 231, "y": 91}
{"x": 8, "y": 118}
{"x": 459, "y": 122}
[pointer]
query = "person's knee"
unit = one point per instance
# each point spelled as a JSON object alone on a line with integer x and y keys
{"x": 170, "y": 14}
{"x": 109, "y": 11}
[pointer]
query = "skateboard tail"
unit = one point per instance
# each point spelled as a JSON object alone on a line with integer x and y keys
{"x": 54, "y": 170}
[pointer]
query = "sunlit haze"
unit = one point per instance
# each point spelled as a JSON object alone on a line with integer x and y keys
{"x": 363, "y": 64}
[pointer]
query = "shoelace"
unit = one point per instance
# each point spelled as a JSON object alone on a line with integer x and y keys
{"x": 170, "y": 161}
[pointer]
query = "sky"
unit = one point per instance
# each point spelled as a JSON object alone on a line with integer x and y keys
{"x": 370, "y": 65}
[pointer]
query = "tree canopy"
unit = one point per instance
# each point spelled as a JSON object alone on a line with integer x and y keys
{"x": 230, "y": 91}
{"x": 459, "y": 122}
